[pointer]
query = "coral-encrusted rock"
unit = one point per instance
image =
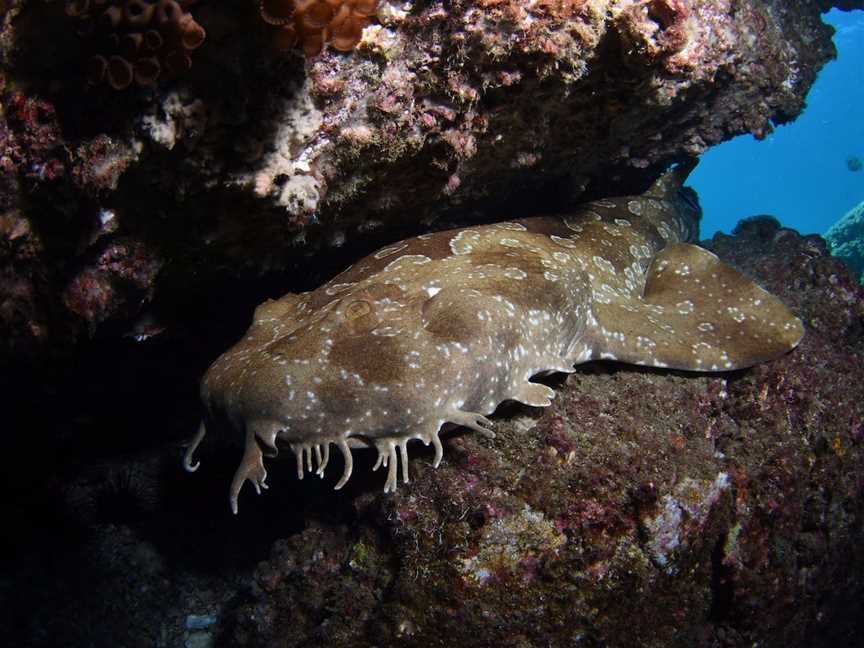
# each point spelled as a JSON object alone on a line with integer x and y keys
{"x": 322, "y": 569}
{"x": 121, "y": 273}
{"x": 846, "y": 239}
{"x": 644, "y": 508}
{"x": 256, "y": 160}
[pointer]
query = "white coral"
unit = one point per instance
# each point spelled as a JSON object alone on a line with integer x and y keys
{"x": 285, "y": 173}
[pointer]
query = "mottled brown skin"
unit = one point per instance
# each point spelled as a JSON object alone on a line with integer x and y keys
{"x": 443, "y": 327}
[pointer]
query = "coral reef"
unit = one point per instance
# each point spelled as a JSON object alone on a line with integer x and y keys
{"x": 258, "y": 162}
{"x": 846, "y": 239}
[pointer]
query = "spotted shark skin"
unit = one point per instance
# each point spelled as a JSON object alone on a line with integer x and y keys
{"x": 443, "y": 327}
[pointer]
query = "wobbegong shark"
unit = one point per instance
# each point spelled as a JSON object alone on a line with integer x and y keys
{"x": 441, "y": 328}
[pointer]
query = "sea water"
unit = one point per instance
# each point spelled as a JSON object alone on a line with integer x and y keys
{"x": 803, "y": 173}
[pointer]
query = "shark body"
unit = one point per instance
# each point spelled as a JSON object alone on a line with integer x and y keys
{"x": 443, "y": 327}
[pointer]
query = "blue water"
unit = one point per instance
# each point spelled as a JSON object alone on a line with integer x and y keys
{"x": 799, "y": 173}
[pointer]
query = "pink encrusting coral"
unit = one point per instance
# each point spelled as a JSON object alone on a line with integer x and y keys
{"x": 136, "y": 41}
{"x": 118, "y": 279}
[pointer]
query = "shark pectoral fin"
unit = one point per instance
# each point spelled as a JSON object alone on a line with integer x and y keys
{"x": 697, "y": 313}
{"x": 534, "y": 394}
{"x": 474, "y": 421}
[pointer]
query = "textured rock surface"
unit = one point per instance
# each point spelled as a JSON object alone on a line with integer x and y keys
{"x": 644, "y": 508}
{"x": 255, "y": 161}
{"x": 846, "y": 239}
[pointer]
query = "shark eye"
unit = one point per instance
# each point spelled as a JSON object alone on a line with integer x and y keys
{"x": 357, "y": 309}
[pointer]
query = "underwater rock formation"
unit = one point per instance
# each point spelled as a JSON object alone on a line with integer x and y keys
{"x": 258, "y": 161}
{"x": 846, "y": 239}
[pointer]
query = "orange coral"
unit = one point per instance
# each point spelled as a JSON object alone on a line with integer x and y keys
{"x": 312, "y": 23}
{"x": 137, "y": 41}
